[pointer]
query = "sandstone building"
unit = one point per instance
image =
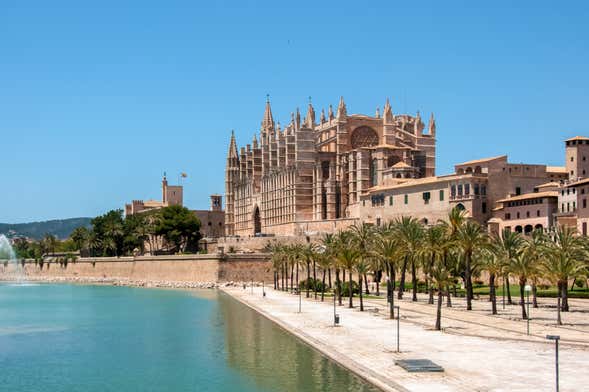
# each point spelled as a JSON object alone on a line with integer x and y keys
{"x": 212, "y": 221}
{"x": 311, "y": 175}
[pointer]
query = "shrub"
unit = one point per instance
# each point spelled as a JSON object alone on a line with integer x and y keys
{"x": 312, "y": 284}
{"x": 580, "y": 284}
{"x": 346, "y": 288}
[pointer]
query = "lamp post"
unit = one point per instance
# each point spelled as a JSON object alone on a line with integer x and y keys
{"x": 263, "y": 289}
{"x": 335, "y": 315}
{"x": 391, "y": 299}
{"x": 252, "y": 285}
{"x": 527, "y": 289}
{"x": 556, "y": 338}
{"x": 398, "y": 325}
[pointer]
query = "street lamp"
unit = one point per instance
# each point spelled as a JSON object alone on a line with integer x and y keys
{"x": 503, "y": 293}
{"x": 391, "y": 298}
{"x": 556, "y": 338}
{"x": 263, "y": 289}
{"x": 527, "y": 289}
{"x": 335, "y": 315}
{"x": 398, "y": 325}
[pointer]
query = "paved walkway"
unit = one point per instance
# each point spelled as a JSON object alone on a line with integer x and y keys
{"x": 366, "y": 343}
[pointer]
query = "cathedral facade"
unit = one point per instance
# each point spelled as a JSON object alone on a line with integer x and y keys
{"x": 310, "y": 175}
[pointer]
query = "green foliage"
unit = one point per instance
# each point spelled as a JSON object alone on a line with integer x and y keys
{"x": 179, "y": 227}
{"x": 346, "y": 288}
{"x": 312, "y": 284}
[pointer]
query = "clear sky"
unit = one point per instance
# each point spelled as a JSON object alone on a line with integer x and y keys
{"x": 97, "y": 101}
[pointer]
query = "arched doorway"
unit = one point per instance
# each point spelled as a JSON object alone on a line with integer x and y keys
{"x": 257, "y": 221}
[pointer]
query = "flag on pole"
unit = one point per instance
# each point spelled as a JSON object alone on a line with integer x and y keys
{"x": 183, "y": 175}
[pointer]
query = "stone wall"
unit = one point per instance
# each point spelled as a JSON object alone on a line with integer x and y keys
{"x": 189, "y": 268}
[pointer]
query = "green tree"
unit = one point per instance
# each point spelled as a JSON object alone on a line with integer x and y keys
{"x": 470, "y": 238}
{"x": 179, "y": 227}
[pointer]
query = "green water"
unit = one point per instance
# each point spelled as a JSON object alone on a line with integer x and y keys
{"x": 100, "y": 338}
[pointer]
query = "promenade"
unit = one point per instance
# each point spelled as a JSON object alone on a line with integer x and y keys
{"x": 478, "y": 351}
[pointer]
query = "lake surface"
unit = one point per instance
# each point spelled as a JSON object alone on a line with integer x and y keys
{"x": 102, "y": 338}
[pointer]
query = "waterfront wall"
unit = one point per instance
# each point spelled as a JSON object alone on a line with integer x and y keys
{"x": 185, "y": 268}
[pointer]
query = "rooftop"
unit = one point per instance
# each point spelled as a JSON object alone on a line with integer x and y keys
{"x": 482, "y": 160}
{"x": 577, "y": 138}
{"x": 556, "y": 169}
{"x": 533, "y": 195}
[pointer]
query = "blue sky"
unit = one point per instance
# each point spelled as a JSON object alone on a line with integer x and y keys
{"x": 97, "y": 101}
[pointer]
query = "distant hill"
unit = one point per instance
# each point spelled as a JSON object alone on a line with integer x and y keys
{"x": 61, "y": 228}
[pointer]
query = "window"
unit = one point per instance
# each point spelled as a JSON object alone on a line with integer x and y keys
{"x": 538, "y": 213}
{"x": 406, "y": 199}
{"x": 584, "y": 203}
{"x": 390, "y": 200}
{"x": 568, "y": 207}
{"x": 373, "y": 172}
{"x": 572, "y": 159}
{"x": 518, "y": 190}
{"x": 484, "y": 207}
{"x": 518, "y": 215}
{"x": 363, "y": 203}
{"x": 476, "y": 189}
{"x": 460, "y": 190}
{"x": 527, "y": 214}
{"x": 426, "y": 197}
{"x": 507, "y": 216}
{"x": 378, "y": 221}
{"x": 467, "y": 189}
{"x": 441, "y": 195}
{"x": 483, "y": 190}
{"x": 562, "y": 207}
{"x": 574, "y": 205}
{"x": 584, "y": 228}
{"x": 453, "y": 191}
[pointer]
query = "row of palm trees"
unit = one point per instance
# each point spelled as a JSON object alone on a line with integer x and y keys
{"x": 453, "y": 249}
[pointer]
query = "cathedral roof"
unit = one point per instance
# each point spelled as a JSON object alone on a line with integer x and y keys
{"x": 533, "y": 195}
{"x": 482, "y": 160}
{"x": 401, "y": 165}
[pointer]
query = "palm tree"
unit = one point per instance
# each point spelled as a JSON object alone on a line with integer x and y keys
{"x": 362, "y": 266}
{"x": 386, "y": 253}
{"x": 434, "y": 245}
{"x": 324, "y": 260}
{"x": 363, "y": 238}
{"x": 494, "y": 265}
{"x": 409, "y": 233}
{"x": 441, "y": 276}
{"x": 348, "y": 255}
{"x": 535, "y": 249}
{"x": 564, "y": 256}
{"x": 469, "y": 238}
{"x": 508, "y": 245}
{"x": 523, "y": 267}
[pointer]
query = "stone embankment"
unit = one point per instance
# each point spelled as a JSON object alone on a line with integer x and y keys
{"x": 129, "y": 282}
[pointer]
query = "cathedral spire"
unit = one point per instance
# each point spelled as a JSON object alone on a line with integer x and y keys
{"x": 330, "y": 113}
{"x": 432, "y": 125}
{"x": 322, "y": 118}
{"x": 310, "y": 115}
{"x": 418, "y": 123}
{"x": 268, "y": 121}
{"x": 341, "y": 109}
{"x": 298, "y": 120}
{"x": 232, "y": 155}
{"x": 255, "y": 141}
{"x": 377, "y": 114}
{"x": 387, "y": 114}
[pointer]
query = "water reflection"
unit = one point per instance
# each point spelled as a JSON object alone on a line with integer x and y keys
{"x": 276, "y": 360}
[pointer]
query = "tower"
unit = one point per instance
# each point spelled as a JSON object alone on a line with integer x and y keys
{"x": 577, "y": 157}
{"x": 164, "y": 189}
{"x": 231, "y": 177}
{"x": 216, "y": 203}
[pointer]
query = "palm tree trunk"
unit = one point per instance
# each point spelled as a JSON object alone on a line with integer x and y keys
{"x": 366, "y": 285}
{"x": 492, "y": 293}
{"x": 377, "y": 281}
{"x": 292, "y": 277}
{"x": 298, "y": 282}
{"x": 508, "y": 289}
{"x": 431, "y": 293}
{"x": 534, "y": 295}
{"x": 350, "y": 305}
{"x": 565, "y": 296}
{"x": 338, "y": 287}
{"x": 360, "y": 292}
{"x": 308, "y": 277}
{"x": 439, "y": 311}
{"x": 522, "y": 283}
{"x": 402, "y": 281}
{"x": 329, "y": 276}
{"x": 558, "y": 319}
{"x": 323, "y": 287}
{"x": 449, "y": 298}
{"x": 343, "y": 275}
{"x": 413, "y": 280}
{"x": 315, "y": 278}
{"x": 468, "y": 281}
